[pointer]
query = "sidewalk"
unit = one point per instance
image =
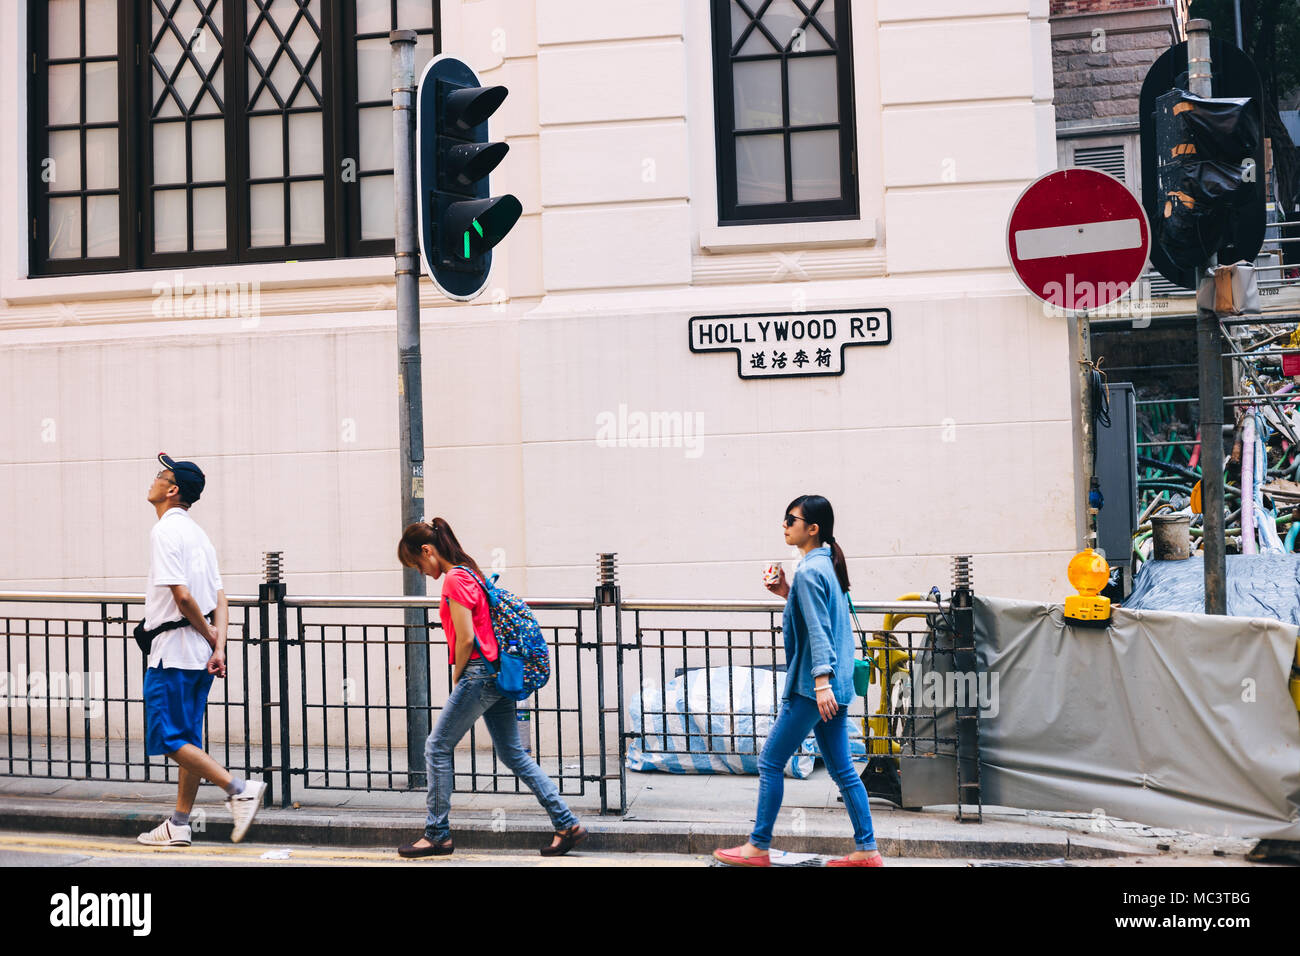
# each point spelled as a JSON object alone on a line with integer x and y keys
{"x": 666, "y": 814}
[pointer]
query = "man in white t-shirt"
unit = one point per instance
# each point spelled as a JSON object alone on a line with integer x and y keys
{"x": 186, "y": 612}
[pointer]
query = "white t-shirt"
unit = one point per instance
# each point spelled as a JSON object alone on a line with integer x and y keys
{"x": 180, "y": 553}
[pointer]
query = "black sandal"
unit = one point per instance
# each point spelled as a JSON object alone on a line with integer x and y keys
{"x": 411, "y": 851}
{"x": 568, "y": 840}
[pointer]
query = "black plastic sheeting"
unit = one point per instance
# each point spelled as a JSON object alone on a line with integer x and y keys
{"x": 1258, "y": 585}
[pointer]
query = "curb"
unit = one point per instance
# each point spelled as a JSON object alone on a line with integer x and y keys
{"x": 358, "y": 829}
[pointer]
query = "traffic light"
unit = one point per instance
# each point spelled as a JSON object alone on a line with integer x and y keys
{"x": 1206, "y": 173}
{"x": 460, "y": 221}
{"x": 1211, "y": 209}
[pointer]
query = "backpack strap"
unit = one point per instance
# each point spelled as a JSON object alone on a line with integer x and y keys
{"x": 862, "y": 635}
{"x": 487, "y": 595}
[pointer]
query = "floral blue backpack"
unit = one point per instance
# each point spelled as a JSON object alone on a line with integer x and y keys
{"x": 524, "y": 661}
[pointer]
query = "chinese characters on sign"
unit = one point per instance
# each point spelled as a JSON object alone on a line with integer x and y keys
{"x": 781, "y": 344}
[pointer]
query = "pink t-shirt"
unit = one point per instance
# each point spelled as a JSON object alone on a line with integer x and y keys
{"x": 461, "y": 586}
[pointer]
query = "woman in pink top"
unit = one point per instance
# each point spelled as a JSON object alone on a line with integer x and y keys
{"x": 472, "y": 649}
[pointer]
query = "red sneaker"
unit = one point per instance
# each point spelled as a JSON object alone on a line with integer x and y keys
{"x": 733, "y": 857}
{"x": 846, "y": 861}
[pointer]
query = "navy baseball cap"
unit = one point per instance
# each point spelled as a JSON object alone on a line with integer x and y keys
{"x": 189, "y": 477}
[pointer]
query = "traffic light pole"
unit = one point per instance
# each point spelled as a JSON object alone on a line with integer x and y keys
{"x": 1210, "y": 360}
{"x": 406, "y": 275}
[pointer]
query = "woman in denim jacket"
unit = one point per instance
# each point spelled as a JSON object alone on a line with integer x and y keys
{"x": 818, "y": 684}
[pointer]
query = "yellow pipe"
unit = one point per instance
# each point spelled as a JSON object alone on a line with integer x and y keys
{"x": 895, "y": 658}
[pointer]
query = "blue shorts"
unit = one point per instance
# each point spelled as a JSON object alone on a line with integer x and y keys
{"x": 174, "y": 704}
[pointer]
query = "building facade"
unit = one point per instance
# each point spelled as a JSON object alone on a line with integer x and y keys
{"x": 209, "y": 272}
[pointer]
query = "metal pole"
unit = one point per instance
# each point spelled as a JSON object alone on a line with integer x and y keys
{"x": 1236, "y": 9}
{"x": 1210, "y": 359}
{"x": 410, "y": 403}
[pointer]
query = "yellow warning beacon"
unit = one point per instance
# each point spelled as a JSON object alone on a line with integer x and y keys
{"x": 1088, "y": 573}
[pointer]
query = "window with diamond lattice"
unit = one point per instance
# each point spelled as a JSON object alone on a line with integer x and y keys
{"x": 231, "y": 131}
{"x": 783, "y": 97}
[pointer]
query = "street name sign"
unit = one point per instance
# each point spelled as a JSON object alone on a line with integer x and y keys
{"x": 1078, "y": 239}
{"x": 790, "y": 344}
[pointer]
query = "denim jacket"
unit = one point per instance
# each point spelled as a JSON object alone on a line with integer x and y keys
{"x": 818, "y": 636}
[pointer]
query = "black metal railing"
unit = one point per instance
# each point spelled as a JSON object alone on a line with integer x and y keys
{"x": 315, "y": 696}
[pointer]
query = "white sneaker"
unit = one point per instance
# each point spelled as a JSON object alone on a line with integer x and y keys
{"x": 244, "y": 807}
{"x": 166, "y": 834}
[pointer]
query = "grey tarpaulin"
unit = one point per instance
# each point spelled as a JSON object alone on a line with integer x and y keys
{"x": 1168, "y": 719}
{"x": 1256, "y": 585}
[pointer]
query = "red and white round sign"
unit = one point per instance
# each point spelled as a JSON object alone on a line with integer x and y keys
{"x": 1078, "y": 239}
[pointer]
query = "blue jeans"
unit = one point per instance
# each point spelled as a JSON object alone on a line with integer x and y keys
{"x": 798, "y": 716}
{"x": 476, "y": 694}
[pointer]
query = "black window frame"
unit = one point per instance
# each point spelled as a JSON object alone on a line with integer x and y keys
{"x": 732, "y": 213}
{"x": 341, "y": 199}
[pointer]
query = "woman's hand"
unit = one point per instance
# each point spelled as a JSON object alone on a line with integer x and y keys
{"x": 827, "y": 705}
{"x": 781, "y": 587}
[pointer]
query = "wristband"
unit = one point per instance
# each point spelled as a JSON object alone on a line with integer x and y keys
{"x": 820, "y": 689}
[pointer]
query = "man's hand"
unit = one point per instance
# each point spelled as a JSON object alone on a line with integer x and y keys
{"x": 217, "y": 664}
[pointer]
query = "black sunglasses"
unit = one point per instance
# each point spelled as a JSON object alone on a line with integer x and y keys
{"x": 791, "y": 519}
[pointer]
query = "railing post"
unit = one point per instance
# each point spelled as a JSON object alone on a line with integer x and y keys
{"x": 275, "y": 593}
{"x": 966, "y": 712}
{"x": 269, "y": 592}
{"x": 608, "y": 595}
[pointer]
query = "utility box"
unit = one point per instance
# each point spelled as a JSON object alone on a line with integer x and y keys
{"x": 1117, "y": 473}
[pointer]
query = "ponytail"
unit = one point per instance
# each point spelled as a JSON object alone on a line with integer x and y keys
{"x": 817, "y": 510}
{"x": 439, "y": 535}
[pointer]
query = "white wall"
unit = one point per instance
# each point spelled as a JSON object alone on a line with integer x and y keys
{"x": 587, "y": 311}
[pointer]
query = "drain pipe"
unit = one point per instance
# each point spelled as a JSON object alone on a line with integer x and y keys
{"x": 1248, "y": 484}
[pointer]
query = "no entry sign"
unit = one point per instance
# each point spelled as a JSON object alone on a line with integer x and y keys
{"x": 1078, "y": 239}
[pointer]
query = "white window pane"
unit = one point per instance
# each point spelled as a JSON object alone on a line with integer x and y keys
{"x": 377, "y": 207}
{"x": 263, "y": 44}
{"x": 206, "y": 48}
{"x": 169, "y": 153}
{"x": 188, "y": 85}
{"x": 782, "y": 19}
{"x": 306, "y": 213}
{"x": 813, "y": 96}
{"x": 374, "y": 16}
{"x": 169, "y": 220}
{"x": 65, "y": 228}
{"x": 101, "y": 159}
{"x": 209, "y": 219}
{"x": 208, "y": 142}
{"x": 304, "y": 40}
{"x": 65, "y": 94}
{"x": 283, "y": 77}
{"x": 168, "y": 54}
{"x": 65, "y": 150}
{"x": 101, "y": 92}
{"x": 374, "y": 70}
{"x": 102, "y": 227}
{"x": 415, "y": 14}
{"x": 265, "y": 147}
{"x": 423, "y": 54}
{"x": 266, "y": 214}
{"x": 758, "y": 94}
{"x": 826, "y": 17}
{"x": 101, "y": 30}
{"x": 815, "y": 165}
{"x": 65, "y": 29}
{"x": 760, "y": 169}
{"x": 756, "y": 42}
{"x": 376, "y": 128}
{"x": 314, "y": 76}
{"x": 305, "y": 156}
{"x": 186, "y": 18}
